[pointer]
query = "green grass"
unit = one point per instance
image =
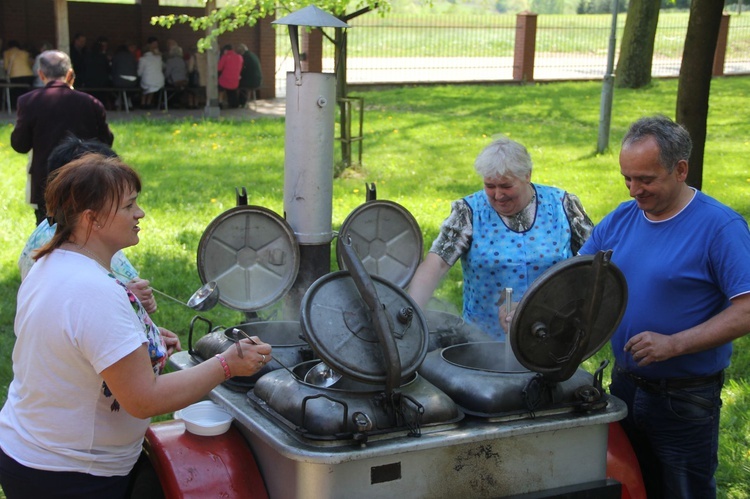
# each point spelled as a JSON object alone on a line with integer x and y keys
{"x": 419, "y": 147}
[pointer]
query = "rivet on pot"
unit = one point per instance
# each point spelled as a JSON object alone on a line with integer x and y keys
{"x": 539, "y": 330}
{"x": 362, "y": 421}
{"x": 405, "y": 315}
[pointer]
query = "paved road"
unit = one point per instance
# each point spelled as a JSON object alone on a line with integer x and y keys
{"x": 374, "y": 70}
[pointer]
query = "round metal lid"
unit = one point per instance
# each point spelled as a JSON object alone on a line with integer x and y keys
{"x": 337, "y": 324}
{"x": 387, "y": 239}
{"x": 253, "y": 256}
{"x": 568, "y": 314}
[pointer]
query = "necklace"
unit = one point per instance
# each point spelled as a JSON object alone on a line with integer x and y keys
{"x": 92, "y": 255}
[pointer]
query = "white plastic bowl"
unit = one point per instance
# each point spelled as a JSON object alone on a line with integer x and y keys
{"x": 205, "y": 418}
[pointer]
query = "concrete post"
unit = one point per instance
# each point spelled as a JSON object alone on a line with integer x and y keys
{"x": 212, "y": 109}
{"x": 525, "y": 47}
{"x": 62, "y": 30}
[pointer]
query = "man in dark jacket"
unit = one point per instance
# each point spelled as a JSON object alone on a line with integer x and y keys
{"x": 46, "y": 115}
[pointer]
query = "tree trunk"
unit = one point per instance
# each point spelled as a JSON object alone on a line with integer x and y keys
{"x": 695, "y": 79}
{"x": 637, "y": 46}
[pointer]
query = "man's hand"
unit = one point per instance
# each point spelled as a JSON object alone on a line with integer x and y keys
{"x": 648, "y": 347}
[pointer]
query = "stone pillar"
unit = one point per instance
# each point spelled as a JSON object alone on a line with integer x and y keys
{"x": 721, "y": 46}
{"x": 523, "y": 53}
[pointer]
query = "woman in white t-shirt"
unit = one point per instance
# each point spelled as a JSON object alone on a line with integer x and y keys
{"x": 87, "y": 360}
{"x": 70, "y": 148}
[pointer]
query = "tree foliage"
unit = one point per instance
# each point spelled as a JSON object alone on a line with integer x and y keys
{"x": 599, "y": 6}
{"x": 239, "y": 13}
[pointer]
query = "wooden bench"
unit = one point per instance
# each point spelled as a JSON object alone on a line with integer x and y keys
{"x": 120, "y": 92}
{"x": 164, "y": 94}
{"x": 167, "y": 92}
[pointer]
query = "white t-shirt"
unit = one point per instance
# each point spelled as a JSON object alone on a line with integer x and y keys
{"x": 72, "y": 322}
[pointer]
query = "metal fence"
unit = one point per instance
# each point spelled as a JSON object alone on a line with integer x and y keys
{"x": 438, "y": 48}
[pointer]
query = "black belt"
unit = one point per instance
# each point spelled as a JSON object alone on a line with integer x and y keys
{"x": 673, "y": 383}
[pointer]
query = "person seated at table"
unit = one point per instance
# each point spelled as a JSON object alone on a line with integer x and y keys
{"x": 251, "y": 77}
{"x": 151, "y": 73}
{"x": 176, "y": 75}
{"x": 88, "y": 361}
{"x": 505, "y": 235}
{"x": 99, "y": 71}
{"x": 69, "y": 149}
{"x": 17, "y": 63}
{"x": 124, "y": 73}
{"x": 230, "y": 68}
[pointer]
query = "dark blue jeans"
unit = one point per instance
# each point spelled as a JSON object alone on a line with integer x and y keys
{"x": 22, "y": 482}
{"x": 675, "y": 434}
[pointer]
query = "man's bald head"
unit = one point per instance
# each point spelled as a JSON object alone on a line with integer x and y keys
{"x": 54, "y": 64}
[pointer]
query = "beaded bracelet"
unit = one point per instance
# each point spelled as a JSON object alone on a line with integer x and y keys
{"x": 225, "y": 366}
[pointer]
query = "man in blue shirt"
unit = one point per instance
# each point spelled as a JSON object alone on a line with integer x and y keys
{"x": 686, "y": 260}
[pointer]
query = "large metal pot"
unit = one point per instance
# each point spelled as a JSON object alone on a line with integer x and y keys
{"x": 486, "y": 380}
{"x": 351, "y": 409}
{"x": 564, "y": 317}
{"x": 284, "y": 337}
{"x": 447, "y": 329}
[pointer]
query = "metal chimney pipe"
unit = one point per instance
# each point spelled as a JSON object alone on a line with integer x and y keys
{"x": 308, "y": 160}
{"x": 308, "y": 177}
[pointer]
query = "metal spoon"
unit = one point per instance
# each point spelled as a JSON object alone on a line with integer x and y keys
{"x": 237, "y": 331}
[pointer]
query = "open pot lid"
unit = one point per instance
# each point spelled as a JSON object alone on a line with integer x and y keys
{"x": 253, "y": 256}
{"x": 387, "y": 239}
{"x": 337, "y": 323}
{"x": 568, "y": 314}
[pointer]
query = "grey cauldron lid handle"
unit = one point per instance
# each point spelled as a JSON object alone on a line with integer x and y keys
{"x": 369, "y": 294}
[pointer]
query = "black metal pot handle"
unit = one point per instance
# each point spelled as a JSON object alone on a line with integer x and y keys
{"x": 190, "y": 334}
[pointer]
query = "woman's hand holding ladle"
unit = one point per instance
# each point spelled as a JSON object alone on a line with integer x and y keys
{"x": 141, "y": 288}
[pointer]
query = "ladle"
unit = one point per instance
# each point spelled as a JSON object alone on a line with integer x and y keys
{"x": 322, "y": 375}
{"x": 237, "y": 331}
{"x": 205, "y": 298}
